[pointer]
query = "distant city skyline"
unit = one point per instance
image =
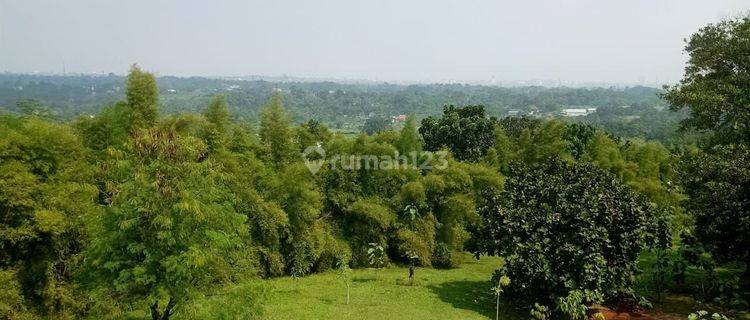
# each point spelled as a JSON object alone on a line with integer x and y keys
{"x": 569, "y": 42}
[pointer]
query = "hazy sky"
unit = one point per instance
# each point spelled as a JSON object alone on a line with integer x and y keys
{"x": 625, "y": 41}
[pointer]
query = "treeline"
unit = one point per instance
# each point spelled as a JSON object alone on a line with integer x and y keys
{"x": 133, "y": 207}
{"x": 335, "y": 104}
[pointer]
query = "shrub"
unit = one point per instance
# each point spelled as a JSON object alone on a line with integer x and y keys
{"x": 564, "y": 227}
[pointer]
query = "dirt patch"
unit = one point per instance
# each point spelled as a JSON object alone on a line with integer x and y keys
{"x": 635, "y": 315}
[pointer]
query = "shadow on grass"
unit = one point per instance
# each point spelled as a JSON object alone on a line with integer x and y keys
{"x": 475, "y": 296}
{"x": 363, "y": 280}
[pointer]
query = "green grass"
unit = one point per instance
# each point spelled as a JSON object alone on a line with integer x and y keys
{"x": 461, "y": 293}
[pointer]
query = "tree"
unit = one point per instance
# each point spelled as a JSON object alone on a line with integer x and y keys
{"x": 578, "y": 136}
{"x": 502, "y": 282}
{"x": 716, "y": 84}
{"x": 409, "y": 139}
{"x": 566, "y": 226}
{"x": 142, "y": 98}
{"x": 274, "y": 131}
{"x": 466, "y": 131}
{"x": 46, "y": 201}
{"x": 217, "y": 114}
{"x": 716, "y": 184}
{"x": 170, "y": 227}
{"x": 345, "y": 273}
{"x": 528, "y": 141}
{"x": 311, "y": 133}
{"x": 716, "y": 90}
{"x": 376, "y": 124}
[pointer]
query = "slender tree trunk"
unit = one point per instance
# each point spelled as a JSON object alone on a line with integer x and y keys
{"x": 347, "y": 293}
{"x": 497, "y": 308}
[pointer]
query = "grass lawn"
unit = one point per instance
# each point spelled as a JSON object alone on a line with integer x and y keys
{"x": 461, "y": 293}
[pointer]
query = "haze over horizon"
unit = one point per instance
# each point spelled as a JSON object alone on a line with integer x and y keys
{"x": 571, "y": 41}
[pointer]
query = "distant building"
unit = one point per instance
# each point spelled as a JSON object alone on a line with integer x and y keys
{"x": 398, "y": 118}
{"x": 513, "y": 113}
{"x": 578, "y": 112}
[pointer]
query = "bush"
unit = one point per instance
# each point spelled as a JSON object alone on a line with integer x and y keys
{"x": 566, "y": 227}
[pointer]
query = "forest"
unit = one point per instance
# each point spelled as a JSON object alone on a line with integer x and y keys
{"x": 142, "y": 202}
{"x": 636, "y": 112}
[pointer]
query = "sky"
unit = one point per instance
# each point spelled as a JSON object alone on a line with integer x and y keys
{"x": 618, "y": 41}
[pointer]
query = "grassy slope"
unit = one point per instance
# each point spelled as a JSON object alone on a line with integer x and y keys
{"x": 460, "y": 293}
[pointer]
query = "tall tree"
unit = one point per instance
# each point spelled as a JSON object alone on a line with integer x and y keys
{"x": 716, "y": 90}
{"x": 142, "y": 98}
{"x": 275, "y": 132}
{"x": 716, "y": 84}
{"x": 170, "y": 227}
{"x": 717, "y": 185}
{"x": 409, "y": 139}
{"x": 217, "y": 114}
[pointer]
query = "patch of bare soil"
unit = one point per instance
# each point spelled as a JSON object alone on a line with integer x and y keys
{"x": 610, "y": 314}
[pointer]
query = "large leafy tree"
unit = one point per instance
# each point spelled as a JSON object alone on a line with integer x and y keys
{"x": 716, "y": 84}
{"x": 564, "y": 227}
{"x": 466, "y": 131}
{"x": 716, "y": 91}
{"x": 717, "y": 185}
{"x": 169, "y": 227}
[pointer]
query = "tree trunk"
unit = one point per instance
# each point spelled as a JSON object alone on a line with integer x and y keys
{"x": 347, "y": 293}
{"x": 155, "y": 315}
{"x": 168, "y": 311}
{"x": 497, "y": 308}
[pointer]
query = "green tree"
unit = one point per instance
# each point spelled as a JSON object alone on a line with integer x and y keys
{"x": 528, "y": 141}
{"x": 409, "y": 139}
{"x": 217, "y": 114}
{"x": 46, "y": 201}
{"x": 716, "y": 184}
{"x": 275, "y": 132}
{"x": 716, "y": 84}
{"x": 466, "y": 131}
{"x": 142, "y": 98}
{"x": 312, "y": 133}
{"x": 567, "y": 226}
{"x": 170, "y": 227}
{"x": 716, "y": 90}
{"x": 376, "y": 124}
{"x": 106, "y": 129}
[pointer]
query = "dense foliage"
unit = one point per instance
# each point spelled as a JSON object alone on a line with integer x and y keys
{"x": 566, "y": 227}
{"x": 466, "y": 131}
{"x": 628, "y": 112}
{"x": 716, "y": 91}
